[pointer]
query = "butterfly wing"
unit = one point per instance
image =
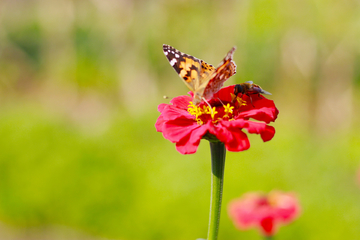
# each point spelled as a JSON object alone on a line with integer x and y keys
{"x": 195, "y": 73}
{"x": 223, "y": 72}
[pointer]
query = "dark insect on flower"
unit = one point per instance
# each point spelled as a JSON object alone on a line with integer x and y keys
{"x": 248, "y": 88}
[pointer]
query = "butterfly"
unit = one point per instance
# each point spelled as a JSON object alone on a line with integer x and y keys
{"x": 203, "y": 79}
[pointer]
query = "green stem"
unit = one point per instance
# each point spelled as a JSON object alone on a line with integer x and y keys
{"x": 218, "y": 153}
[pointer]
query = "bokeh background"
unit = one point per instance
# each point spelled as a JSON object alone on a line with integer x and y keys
{"x": 80, "y": 81}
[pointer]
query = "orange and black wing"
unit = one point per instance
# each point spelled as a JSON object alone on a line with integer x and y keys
{"x": 223, "y": 72}
{"x": 195, "y": 73}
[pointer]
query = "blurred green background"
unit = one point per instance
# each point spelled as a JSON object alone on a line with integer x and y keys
{"x": 80, "y": 82}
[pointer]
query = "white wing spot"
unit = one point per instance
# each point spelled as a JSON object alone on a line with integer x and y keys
{"x": 173, "y": 61}
{"x": 177, "y": 55}
{"x": 166, "y": 53}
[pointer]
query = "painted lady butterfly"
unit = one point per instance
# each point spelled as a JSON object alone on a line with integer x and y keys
{"x": 200, "y": 77}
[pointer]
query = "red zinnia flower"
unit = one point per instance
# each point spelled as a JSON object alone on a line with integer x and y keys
{"x": 266, "y": 212}
{"x": 185, "y": 124}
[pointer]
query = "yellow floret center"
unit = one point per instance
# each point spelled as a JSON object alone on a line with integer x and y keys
{"x": 205, "y": 113}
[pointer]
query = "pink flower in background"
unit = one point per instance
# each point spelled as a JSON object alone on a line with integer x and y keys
{"x": 265, "y": 212}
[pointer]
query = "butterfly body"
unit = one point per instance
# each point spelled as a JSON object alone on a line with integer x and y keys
{"x": 203, "y": 79}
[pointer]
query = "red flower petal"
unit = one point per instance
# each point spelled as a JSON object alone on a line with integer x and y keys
{"x": 267, "y": 226}
{"x": 263, "y": 114}
{"x": 244, "y": 210}
{"x": 159, "y": 123}
{"x": 162, "y": 106}
{"x": 266, "y": 132}
{"x": 264, "y": 110}
{"x": 176, "y": 130}
{"x": 190, "y": 143}
{"x": 184, "y": 147}
{"x": 181, "y": 102}
{"x": 224, "y": 94}
{"x": 171, "y": 113}
{"x": 234, "y": 139}
{"x": 287, "y": 206}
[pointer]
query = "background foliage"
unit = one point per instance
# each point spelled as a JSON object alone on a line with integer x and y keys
{"x": 80, "y": 82}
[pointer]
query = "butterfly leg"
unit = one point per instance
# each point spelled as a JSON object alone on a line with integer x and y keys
{"x": 220, "y": 101}
{"x": 212, "y": 113}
